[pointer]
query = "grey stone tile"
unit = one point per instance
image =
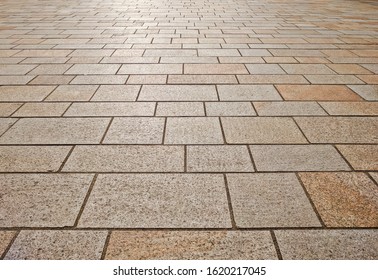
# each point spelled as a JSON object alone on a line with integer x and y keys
{"x": 261, "y": 130}
{"x": 351, "y": 108}
{"x": 72, "y": 93}
{"x": 41, "y": 200}
{"x": 193, "y": 130}
{"x": 57, "y": 245}
{"x": 368, "y": 92}
{"x": 178, "y": 93}
{"x": 116, "y": 93}
{"x": 193, "y": 245}
{"x": 270, "y": 200}
{"x": 288, "y": 108}
{"x": 297, "y": 158}
{"x": 328, "y": 244}
{"x": 24, "y": 93}
{"x": 32, "y": 158}
{"x": 117, "y": 158}
{"x": 180, "y": 109}
{"x": 219, "y": 158}
{"x": 339, "y": 129}
{"x": 96, "y": 109}
{"x": 135, "y": 131}
{"x": 157, "y": 201}
{"x": 229, "y": 109}
{"x": 247, "y": 92}
{"x": 56, "y": 131}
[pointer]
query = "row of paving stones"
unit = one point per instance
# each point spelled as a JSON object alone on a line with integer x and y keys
{"x": 191, "y": 158}
{"x": 182, "y": 93}
{"x": 155, "y": 244}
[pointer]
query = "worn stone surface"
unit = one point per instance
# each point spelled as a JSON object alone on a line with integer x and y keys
{"x": 157, "y": 201}
{"x": 328, "y": 244}
{"x": 343, "y": 199}
{"x": 270, "y": 200}
{"x": 57, "y": 245}
{"x": 194, "y": 245}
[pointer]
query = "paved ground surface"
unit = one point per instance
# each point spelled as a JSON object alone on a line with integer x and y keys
{"x": 188, "y": 129}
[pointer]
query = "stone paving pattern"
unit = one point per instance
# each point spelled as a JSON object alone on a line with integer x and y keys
{"x": 188, "y": 129}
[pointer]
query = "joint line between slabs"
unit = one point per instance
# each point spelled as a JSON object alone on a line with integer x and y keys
{"x": 10, "y": 245}
{"x": 276, "y": 246}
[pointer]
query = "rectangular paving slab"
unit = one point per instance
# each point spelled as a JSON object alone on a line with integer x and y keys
{"x": 190, "y": 245}
{"x": 157, "y": 201}
{"x": 118, "y": 158}
{"x": 5, "y": 239}
{"x": 178, "y": 93}
{"x": 41, "y": 200}
{"x": 361, "y": 157}
{"x": 57, "y": 245}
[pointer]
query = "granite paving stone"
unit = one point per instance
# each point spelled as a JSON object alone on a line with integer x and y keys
{"x": 178, "y": 93}
{"x": 288, "y": 108}
{"x": 41, "y": 200}
{"x": 116, "y": 93}
{"x": 7, "y": 109}
{"x": 56, "y": 131}
{"x": 180, "y": 109}
{"x": 247, "y": 92}
{"x": 57, "y": 245}
{"x": 367, "y": 92}
{"x": 328, "y": 245}
{"x": 343, "y": 199}
{"x": 5, "y": 124}
{"x": 24, "y": 93}
{"x": 351, "y": 108}
{"x": 157, "y": 201}
{"x": 72, "y": 93}
{"x": 270, "y": 200}
{"x": 361, "y": 157}
{"x": 32, "y": 158}
{"x": 297, "y": 158}
{"x": 5, "y": 239}
{"x": 219, "y": 158}
{"x": 192, "y": 245}
{"x": 229, "y": 109}
{"x": 42, "y": 109}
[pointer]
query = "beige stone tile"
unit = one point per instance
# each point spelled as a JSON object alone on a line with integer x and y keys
{"x": 52, "y": 80}
{"x": 219, "y": 158}
{"x": 170, "y": 53}
{"x": 180, "y": 109}
{"x": 351, "y": 108}
{"x": 150, "y": 69}
{"x": 270, "y": 200}
{"x": 247, "y": 92}
{"x": 193, "y": 130}
{"x": 118, "y": 158}
{"x": 348, "y": 69}
{"x": 343, "y": 199}
{"x": 5, "y": 239}
{"x": 202, "y": 79}
{"x": 288, "y": 108}
{"x": 317, "y": 92}
{"x": 15, "y": 80}
{"x": 129, "y": 59}
{"x": 371, "y": 67}
{"x": 240, "y": 59}
{"x": 130, "y": 53}
{"x": 24, "y": 93}
{"x": 56, "y": 131}
{"x": 272, "y": 79}
{"x": 218, "y": 52}
{"x": 50, "y": 69}
{"x": 32, "y": 158}
{"x": 304, "y": 59}
{"x": 368, "y": 92}
{"x": 147, "y": 79}
{"x": 307, "y": 69}
{"x": 44, "y": 60}
{"x": 352, "y": 130}
{"x": 43, "y": 53}
{"x": 369, "y": 79}
{"x": 5, "y": 124}
{"x": 278, "y": 59}
{"x": 361, "y": 157}
{"x": 57, "y": 245}
{"x": 229, "y": 109}
{"x": 45, "y": 109}
{"x": 42, "y": 200}
{"x": 99, "y": 53}
{"x": 135, "y": 131}
{"x": 328, "y": 244}
{"x": 259, "y": 69}
{"x": 116, "y": 93}
{"x": 93, "y": 69}
{"x": 157, "y": 201}
{"x": 96, "y": 109}
{"x": 333, "y": 79}
{"x": 297, "y": 158}
{"x": 72, "y": 93}
{"x": 374, "y": 175}
{"x": 188, "y": 59}
{"x": 178, "y": 93}
{"x": 261, "y": 130}
{"x": 7, "y": 109}
{"x": 100, "y": 79}
{"x": 255, "y": 52}
{"x": 215, "y": 69}
{"x": 194, "y": 245}
{"x": 296, "y": 52}
{"x": 85, "y": 60}
{"x": 18, "y": 69}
